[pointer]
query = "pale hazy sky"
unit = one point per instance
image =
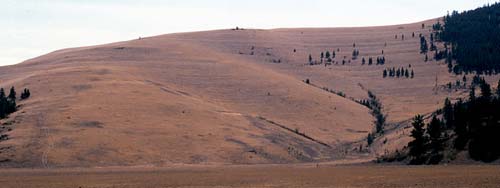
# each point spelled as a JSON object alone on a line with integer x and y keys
{"x": 34, "y": 27}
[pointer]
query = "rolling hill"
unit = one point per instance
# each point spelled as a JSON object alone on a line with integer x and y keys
{"x": 219, "y": 97}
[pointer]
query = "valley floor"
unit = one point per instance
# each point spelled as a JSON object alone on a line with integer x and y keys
{"x": 258, "y": 176}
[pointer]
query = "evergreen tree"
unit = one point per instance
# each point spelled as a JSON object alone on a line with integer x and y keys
{"x": 423, "y": 45}
{"x": 385, "y": 73}
{"x": 472, "y": 94}
{"x": 12, "y": 94}
{"x": 434, "y": 129}
{"x": 485, "y": 90}
{"x": 498, "y": 89}
{"x": 412, "y": 74}
{"x": 363, "y": 61}
{"x": 370, "y": 61}
{"x": 310, "y": 59}
{"x": 25, "y": 94}
{"x": 369, "y": 139}
{"x": 448, "y": 113}
{"x": 327, "y": 55}
{"x": 407, "y": 74}
{"x": 2, "y": 93}
{"x": 418, "y": 145}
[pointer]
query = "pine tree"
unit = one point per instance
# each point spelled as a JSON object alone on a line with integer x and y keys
{"x": 370, "y": 61}
{"x": 417, "y": 146}
{"x": 327, "y": 55}
{"x": 498, "y": 89}
{"x": 2, "y": 93}
{"x": 25, "y": 94}
{"x": 385, "y": 73}
{"x": 369, "y": 139}
{"x": 12, "y": 93}
{"x": 485, "y": 90}
{"x": 412, "y": 74}
{"x": 407, "y": 74}
{"x": 423, "y": 45}
{"x": 472, "y": 94}
{"x": 310, "y": 59}
{"x": 448, "y": 113}
{"x": 434, "y": 129}
{"x": 363, "y": 61}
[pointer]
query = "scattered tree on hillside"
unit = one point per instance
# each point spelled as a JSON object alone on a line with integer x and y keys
{"x": 369, "y": 139}
{"x": 12, "y": 93}
{"x": 25, "y": 94}
{"x": 423, "y": 45}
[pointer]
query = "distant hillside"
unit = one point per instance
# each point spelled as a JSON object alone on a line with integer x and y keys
{"x": 225, "y": 97}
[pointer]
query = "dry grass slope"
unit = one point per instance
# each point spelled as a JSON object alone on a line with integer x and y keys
{"x": 214, "y": 97}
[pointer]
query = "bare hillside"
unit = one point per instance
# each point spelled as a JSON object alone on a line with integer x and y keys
{"x": 218, "y": 97}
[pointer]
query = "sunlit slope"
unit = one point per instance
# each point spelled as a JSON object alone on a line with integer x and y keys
{"x": 166, "y": 100}
{"x": 402, "y": 98}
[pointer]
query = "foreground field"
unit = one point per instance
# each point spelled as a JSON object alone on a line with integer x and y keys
{"x": 259, "y": 176}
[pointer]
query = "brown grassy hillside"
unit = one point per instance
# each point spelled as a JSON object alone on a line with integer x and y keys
{"x": 226, "y": 96}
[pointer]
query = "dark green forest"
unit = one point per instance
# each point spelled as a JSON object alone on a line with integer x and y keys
{"x": 472, "y": 40}
{"x": 471, "y": 125}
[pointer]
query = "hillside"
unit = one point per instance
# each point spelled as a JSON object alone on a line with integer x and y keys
{"x": 219, "y": 97}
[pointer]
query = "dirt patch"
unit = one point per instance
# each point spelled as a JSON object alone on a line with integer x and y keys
{"x": 90, "y": 124}
{"x": 82, "y": 87}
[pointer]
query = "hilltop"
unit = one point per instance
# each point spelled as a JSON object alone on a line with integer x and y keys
{"x": 229, "y": 96}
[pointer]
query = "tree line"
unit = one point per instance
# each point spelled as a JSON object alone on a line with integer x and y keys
{"x": 374, "y": 104}
{"x": 470, "y": 125}
{"x": 398, "y": 73}
{"x": 474, "y": 37}
{"x": 8, "y": 102}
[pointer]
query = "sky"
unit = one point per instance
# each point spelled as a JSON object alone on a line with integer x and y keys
{"x": 30, "y": 28}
